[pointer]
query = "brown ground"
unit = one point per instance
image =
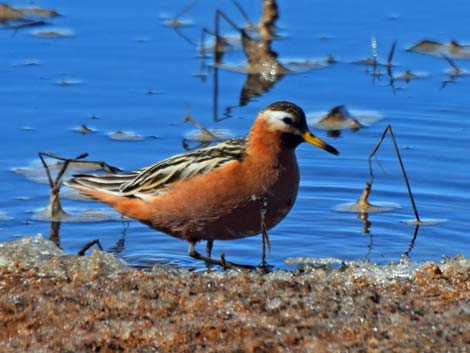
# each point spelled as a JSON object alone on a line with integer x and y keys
{"x": 94, "y": 304}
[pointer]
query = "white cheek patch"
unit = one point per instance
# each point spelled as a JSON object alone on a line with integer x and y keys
{"x": 274, "y": 120}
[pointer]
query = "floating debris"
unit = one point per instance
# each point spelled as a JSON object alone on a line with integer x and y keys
{"x": 211, "y": 135}
{"x": 26, "y": 128}
{"x": 69, "y": 82}
{"x": 23, "y": 198}
{"x": 30, "y": 62}
{"x": 54, "y": 33}
{"x": 152, "y": 92}
{"x": 204, "y": 135}
{"x": 125, "y": 136}
{"x": 408, "y": 76}
{"x": 452, "y": 49}
{"x": 142, "y": 40}
{"x": 303, "y": 65}
{"x": 425, "y": 222}
{"x": 176, "y": 21}
{"x": 330, "y": 59}
{"x": 84, "y": 130}
{"x": 326, "y": 36}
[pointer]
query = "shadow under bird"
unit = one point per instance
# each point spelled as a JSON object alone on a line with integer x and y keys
{"x": 234, "y": 189}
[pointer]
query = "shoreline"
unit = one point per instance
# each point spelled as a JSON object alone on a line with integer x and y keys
{"x": 51, "y": 302}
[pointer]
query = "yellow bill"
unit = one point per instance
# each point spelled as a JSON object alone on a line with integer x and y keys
{"x": 316, "y": 141}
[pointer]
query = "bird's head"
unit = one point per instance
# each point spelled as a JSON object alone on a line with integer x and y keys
{"x": 289, "y": 119}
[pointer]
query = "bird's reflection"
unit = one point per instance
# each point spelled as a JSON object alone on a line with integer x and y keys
{"x": 263, "y": 69}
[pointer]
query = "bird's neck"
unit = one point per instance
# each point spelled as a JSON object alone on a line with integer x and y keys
{"x": 266, "y": 143}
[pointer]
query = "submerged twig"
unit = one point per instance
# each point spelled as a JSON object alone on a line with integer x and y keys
{"x": 93, "y": 164}
{"x": 218, "y": 14}
{"x": 88, "y": 245}
{"x": 205, "y": 134}
{"x": 185, "y": 9}
{"x": 55, "y": 207}
{"x": 174, "y": 21}
{"x": 405, "y": 177}
{"x": 412, "y": 242}
{"x": 249, "y": 24}
{"x": 204, "y": 138}
{"x": 363, "y": 201}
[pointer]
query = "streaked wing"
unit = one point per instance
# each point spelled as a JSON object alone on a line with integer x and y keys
{"x": 154, "y": 178}
{"x": 110, "y": 183}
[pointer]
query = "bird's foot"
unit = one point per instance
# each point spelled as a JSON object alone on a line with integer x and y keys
{"x": 226, "y": 265}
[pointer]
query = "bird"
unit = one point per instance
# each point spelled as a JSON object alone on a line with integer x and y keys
{"x": 237, "y": 188}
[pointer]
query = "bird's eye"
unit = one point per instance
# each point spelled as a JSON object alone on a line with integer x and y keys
{"x": 287, "y": 120}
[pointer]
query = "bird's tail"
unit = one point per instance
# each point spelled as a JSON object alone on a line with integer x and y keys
{"x": 106, "y": 188}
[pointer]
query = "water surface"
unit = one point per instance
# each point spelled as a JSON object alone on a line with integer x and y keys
{"x": 122, "y": 69}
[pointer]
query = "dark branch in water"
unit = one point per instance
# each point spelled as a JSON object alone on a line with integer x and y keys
{"x": 219, "y": 14}
{"x": 412, "y": 242}
{"x": 249, "y": 24}
{"x": 55, "y": 207}
{"x": 88, "y": 245}
{"x": 405, "y": 177}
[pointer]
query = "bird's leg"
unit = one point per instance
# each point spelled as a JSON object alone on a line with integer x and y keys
{"x": 209, "y": 246}
{"x": 264, "y": 233}
{"x": 192, "y": 250}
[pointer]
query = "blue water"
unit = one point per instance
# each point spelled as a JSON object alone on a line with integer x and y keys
{"x": 120, "y": 52}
